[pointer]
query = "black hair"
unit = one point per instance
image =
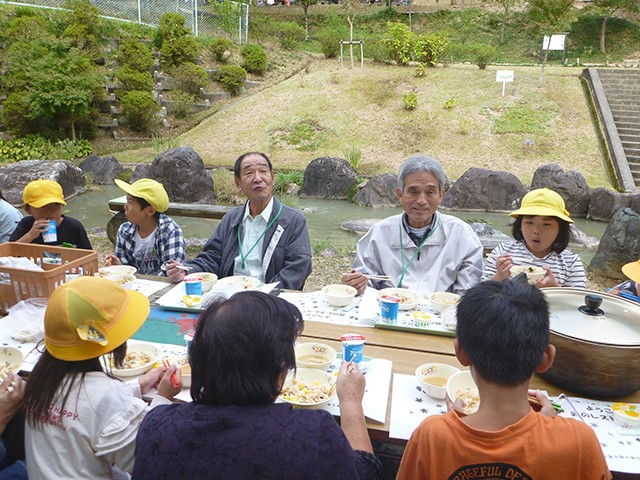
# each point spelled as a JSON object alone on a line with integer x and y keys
{"x": 144, "y": 204}
{"x": 562, "y": 240}
{"x": 2, "y": 196}
{"x": 52, "y": 377}
{"x": 237, "y": 166}
{"x": 240, "y": 348}
{"x": 504, "y": 329}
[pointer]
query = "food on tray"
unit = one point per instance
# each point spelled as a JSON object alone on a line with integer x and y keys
{"x": 192, "y": 300}
{"x": 408, "y": 298}
{"x": 470, "y": 398}
{"x": 298, "y": 391}
{"x": 246, "y": 283}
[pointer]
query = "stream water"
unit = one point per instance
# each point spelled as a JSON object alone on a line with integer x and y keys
{"x": 323, "y": 218}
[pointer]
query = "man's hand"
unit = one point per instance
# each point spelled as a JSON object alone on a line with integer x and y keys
{"x": 356, "y": 280}
{"x": 175, "y": 273}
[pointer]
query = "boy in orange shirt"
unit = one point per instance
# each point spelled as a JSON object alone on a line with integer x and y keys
{"x": 503, "y": 336}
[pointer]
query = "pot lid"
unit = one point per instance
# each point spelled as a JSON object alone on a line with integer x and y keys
{"x": 577, "y": 313}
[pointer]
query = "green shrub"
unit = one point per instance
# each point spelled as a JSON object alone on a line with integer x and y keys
{"x": 172, "y": 25}
{"x": 329, "y": 40}
{"x": 483, "y": 55}
{"x": 430, "y": 49}
{"x": 420, "y": 71}
{"x": 290, "y": 34}
{"x": 399, "y": 40}
{"x": 139, "y": 108}
{"x": 37, "y": 147}
{"x": 131, "y": 79}
{"x": 135, "y": 55}
{"x": 219, "y": 46}
{"x": 232, "y": 78}
{"x": 410, "y": 100}
{"x": 353, "y": 155}
{"x": 375, "y": 49}
{"x": 255, "y": 59}
{"x": 182, "y": 103}
{"x": 284, "y": 179}
{"x": 189, "y": 77}
{"x": 176, "y": 51}
{"x": 450, "y": 104}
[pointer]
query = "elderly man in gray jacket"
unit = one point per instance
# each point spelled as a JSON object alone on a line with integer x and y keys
{"x": 263, "y": 239}
{"x": 421, "y": 249}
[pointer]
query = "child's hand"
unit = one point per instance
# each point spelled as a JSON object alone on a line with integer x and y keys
{"x": 110, "y": 259}
{"x": 39, "y": 226}
{"x": 548, "y": 280}
{"x": 503, "y": 267}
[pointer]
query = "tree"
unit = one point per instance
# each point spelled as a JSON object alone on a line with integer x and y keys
{"x": 57, "y": 85}
{"x": 506, "y": 4}
{"x": 305, "y": 4}
{"x": 609, "y": 8}
{"x": 551, "y": 16}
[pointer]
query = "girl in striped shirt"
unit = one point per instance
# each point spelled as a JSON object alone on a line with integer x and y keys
{"x": 541, "y": 233}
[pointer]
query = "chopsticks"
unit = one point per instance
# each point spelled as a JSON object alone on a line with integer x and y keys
{"x": 373, "y": 277}
{"x": 174, "y": 378}
{"x": 183, "y": 267}
{"x": 534, "y": 402}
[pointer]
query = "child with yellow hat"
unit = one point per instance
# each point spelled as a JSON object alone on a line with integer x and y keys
{"x": 43, "y": 200}
{"x": 541, "y": 232}
{"x": 81, "y": 421}
{"x": 629, "y": 289}
{"x": 149, "y": 238}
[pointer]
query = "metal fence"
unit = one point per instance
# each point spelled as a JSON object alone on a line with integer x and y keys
{"x": 204, "y": 17}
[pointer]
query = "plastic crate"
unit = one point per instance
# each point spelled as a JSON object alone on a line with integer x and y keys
{"x": 28, "y": 283}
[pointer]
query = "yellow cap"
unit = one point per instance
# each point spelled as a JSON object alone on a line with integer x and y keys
{"x": 42, "y": 192}
{"x": 153, "y": 192}
{"x": 543, "y": 202}
{"x": 632, "y": 270}
{"x": 89, "y": 316}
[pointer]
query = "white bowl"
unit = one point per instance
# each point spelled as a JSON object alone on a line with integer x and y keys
{"x": 409, "y": 299}
{"x": 461, "y": 384}
{"x": 140, "y": 366}
{"x": 533, "y": 273}
{"x": 314, "y": 355}
{"x": 339, "y": 295}
{"x": 243, "y": 281}
{"x": 443, "y": 300}
{"x": 116, "y": 270}
{"x": 626, "y": 415}
{"x": 433, "y": 377}
{"x": 124, "y": 280}
{"x": 11, "y": 360}
{"x": 298, "y": 382}
{"x": 207, "y": 279}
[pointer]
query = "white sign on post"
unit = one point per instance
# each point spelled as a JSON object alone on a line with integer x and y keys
{"x": 554, "y": 42}
{"x": 504, "y": 76}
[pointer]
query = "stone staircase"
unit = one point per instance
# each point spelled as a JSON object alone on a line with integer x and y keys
{"x": 622, "y": 91}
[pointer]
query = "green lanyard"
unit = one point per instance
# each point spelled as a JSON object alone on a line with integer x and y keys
{"x": 244, "y": 257}
{"x": 404, "y": 268}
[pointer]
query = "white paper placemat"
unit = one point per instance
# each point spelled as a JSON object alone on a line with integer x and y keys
{"x": 314, "y": 307}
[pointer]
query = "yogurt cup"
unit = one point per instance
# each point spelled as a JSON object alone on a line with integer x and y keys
{"x": 193, "y": 284}
{"x": 352, "y": 347}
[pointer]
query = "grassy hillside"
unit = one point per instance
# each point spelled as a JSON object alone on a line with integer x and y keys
{"x": 326, "y": 110}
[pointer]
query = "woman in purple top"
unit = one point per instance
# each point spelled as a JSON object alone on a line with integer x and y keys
{"x": 240, "y": 355}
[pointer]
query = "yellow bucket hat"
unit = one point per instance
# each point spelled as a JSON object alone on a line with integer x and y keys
{"x": 153, "y": 192}
{"x": 632, "y": 270}
{"x": 42, "y": 192}
{"x": 543, "y": 202}
{"x": 89, "y": 316}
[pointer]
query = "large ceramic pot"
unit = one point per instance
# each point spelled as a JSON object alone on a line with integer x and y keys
{"x": 597, "y": 340}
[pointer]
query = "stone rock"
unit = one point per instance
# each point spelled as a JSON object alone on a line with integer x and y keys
{"x": 571, "y": 186}
{"x": 489, "y": 236}
{"x": 141, "y": 171}
{"x": 605, "y": 203}
{"x": 328, "y": 177}
{"x": 113, "y": 225}
{"x": 620, "y": 244}
{"x": 103, "y": 170}
{"x": 578, "y": 238}
{"x": 379, "y": 191}
{"x": 15, "y": 176}
{"x": 361, "y": 225}
{"x": 485, "y": 190}
{"x": 182, "y": 172}
{"x": 293, "y": 189}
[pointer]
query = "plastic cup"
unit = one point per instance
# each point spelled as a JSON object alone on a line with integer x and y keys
{"x": 50, "y": 235}
{"x": 193, "y": 286}
{"x": 389, "y": 307}
{"x": 352, "y": 347}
